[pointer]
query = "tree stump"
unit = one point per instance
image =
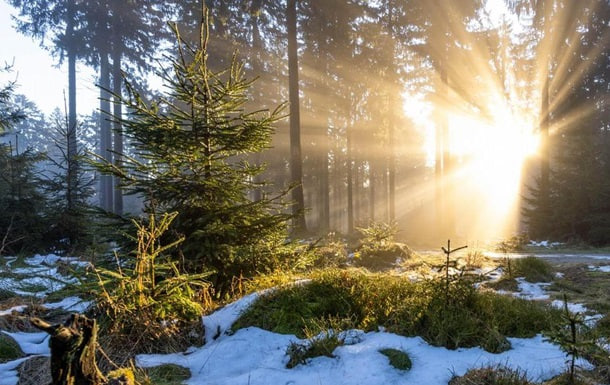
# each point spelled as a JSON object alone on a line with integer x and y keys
{"x": 73, "y": 347}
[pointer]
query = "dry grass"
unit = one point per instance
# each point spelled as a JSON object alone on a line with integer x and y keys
{"x": 35, "y": 371}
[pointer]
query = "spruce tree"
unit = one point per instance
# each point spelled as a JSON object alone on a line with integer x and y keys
{"x": 191, "y": 151}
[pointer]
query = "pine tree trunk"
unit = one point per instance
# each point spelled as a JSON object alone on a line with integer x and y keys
{"x": 117, "y": 127}
{"x": 73, "y": 347}
{"x": 350, "y": 183}
{"x": 296, "y": 160}
{"x": 71, "y": 129}
{"x": 105, "y": 132}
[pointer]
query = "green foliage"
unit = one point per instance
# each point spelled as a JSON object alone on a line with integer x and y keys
{"x": 191, "y": 157}
{"x": 22, "y": 203}
{"x": 398, "y": 359}
{"x": 68, "y": 188}
{"x": 458, "y": 317}
{"x": 569, "y": 334}
{"x": 9, "y": 113}
{"x": 147, "y": 295}
{"x": 533, "y": 269}
{"x": 9, "y": 348}
{"x": 377, "y": 248}
{"x": 497, "y": 375}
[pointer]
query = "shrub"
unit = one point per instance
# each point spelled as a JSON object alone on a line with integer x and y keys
{"x": 377, "y": 248}
{"x": 147, "y": 298}
{"x": 398, "y": 359}
{"x": 533, "y": 269}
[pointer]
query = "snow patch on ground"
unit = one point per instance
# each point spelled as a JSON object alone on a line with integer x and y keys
{"x": 531, "y": 291}
{"x": 604, "y": 269}
{"x": 258, "y": 357}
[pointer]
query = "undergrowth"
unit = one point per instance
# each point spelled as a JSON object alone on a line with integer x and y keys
{"x": 146, "y": 303}
{"x": 533, "y": 269}
{"x": 497, "y": 375}
{"x": 461, "y": 317}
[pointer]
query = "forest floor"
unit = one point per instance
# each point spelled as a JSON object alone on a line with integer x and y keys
{"x": 35, "y": 286}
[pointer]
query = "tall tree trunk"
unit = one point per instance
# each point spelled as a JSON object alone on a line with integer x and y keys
{"x": 296, "y": 161}
{"x": 105, "y": 132}
{"x": 71, "y": 129}
{"x": 372, "y": 192}
{"x": 324, "y": 193}
{"x": 392, "y": 121}
{"x": 545, "y": 113}
{"x": 117, "y": 127}
{"x": 350, "y": 184}
{"x": 257, "y": 193}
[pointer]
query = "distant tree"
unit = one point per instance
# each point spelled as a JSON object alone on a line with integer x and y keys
{"x": 67, "y": 212}
{"x": 296, "y": 159}
{"x": 193, "y": 143}
{"x": 62, "y": 23}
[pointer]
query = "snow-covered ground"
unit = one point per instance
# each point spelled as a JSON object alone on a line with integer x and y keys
{"x": 254, "y": 356}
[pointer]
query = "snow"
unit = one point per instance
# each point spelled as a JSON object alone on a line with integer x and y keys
{"x": 572, "y": 307}
{"x": 255, "y": 356}
{"x": 31, "y": 343}
{"x": 531, "y": 291}
{"x": 73, "y": 304}
{"x": 604, "y": 269}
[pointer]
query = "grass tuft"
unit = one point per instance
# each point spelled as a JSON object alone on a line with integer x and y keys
{"x": 323, "y": 344}
{"x": 168, "y": 374}
{"x": 398, "y": 359}
{"x": 491, "y": 376}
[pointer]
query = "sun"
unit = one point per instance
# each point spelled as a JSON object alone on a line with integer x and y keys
{"x": 487, "y": 176}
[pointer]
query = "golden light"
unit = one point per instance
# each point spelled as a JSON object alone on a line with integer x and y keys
{"x": 487, "y": 178}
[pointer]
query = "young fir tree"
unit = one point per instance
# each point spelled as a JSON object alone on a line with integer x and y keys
{"x": 191, "y": 148}
{"x": 21, "y": 201}
{"x": 68, "y": 187}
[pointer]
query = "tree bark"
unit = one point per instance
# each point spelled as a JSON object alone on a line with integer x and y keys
{"x": 117, "y": 127}
{"x": 105, "y": 132}
{"x": 71, "y": 129}
{"x": 73, "y": 347}
{"x": 296, "y": 160}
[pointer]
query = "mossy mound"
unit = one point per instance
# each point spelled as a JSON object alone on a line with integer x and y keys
{"x": 9, "y": 348}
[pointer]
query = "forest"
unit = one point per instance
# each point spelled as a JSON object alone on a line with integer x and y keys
{"x": 241, "y": 147}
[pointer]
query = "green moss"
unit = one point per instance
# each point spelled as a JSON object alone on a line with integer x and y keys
{"x": 398, "y": 359}
{"x": 9, "y": 349}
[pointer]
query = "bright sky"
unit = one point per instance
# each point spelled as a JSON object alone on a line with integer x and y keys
{"x": 36, "y": 72}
